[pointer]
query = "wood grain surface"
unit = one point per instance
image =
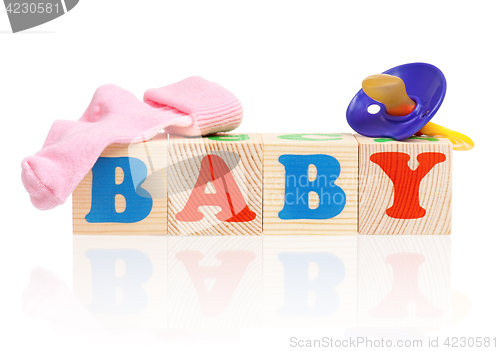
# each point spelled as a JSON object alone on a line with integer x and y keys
{"x": 242, "y": 153}
{"x": 153, "y": 153}
{"x": 376, "y": 190}
{"x": 344, "y": 148}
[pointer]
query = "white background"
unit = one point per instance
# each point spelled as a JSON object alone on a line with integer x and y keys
{"x": 294, "y": 65}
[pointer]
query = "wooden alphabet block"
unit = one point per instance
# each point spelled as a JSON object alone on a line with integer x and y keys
{"x": 215, "y": 185}
{"x": 404, "y": 186}
{"x": 310, "y": 184}
{"x": 125, "y": 192}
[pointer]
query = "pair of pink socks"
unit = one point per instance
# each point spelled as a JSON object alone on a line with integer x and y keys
{"x": 193, "y": 106}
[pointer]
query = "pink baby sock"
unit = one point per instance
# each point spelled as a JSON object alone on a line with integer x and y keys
{"x": 193, "y": 106}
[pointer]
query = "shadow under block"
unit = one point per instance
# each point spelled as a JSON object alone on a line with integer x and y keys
{"x": 404, "y": 186}
{"x": 317, "y": 174}
{"x": 125, "y": 193}
{"x": 215, "y": 185}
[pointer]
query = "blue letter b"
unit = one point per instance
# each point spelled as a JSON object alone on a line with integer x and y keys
{"x": 332, "y": 198}
{"x": 104, "y": 189}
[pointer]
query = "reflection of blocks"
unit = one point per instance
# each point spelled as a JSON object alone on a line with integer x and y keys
{"x": 116, "y": 198}
{"x": 310, "y": 183}
{"x": 214, "y": 282}
{"x": 404, "y": 281}
{"x": 310, "y": 281}
{"x": 215, "y": 185}
{"x": 404, "y": 187}
{"x": 122, "y": 279}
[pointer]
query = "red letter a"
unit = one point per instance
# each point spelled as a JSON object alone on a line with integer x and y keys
{"x": 406, "y": 203}
{"x": 227, "y": 194}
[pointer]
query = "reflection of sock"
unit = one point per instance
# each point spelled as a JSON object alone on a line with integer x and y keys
{"x": 193, "y": 106}
{"x": 49, "y": 298}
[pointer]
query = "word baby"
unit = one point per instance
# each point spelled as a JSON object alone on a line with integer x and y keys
{"x": 271, "y": 184}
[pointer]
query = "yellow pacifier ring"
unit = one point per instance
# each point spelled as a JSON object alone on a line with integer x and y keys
{"x": 461, "y": 142}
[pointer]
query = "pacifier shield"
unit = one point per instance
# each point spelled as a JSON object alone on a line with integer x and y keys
{"x": 425, "y": 84}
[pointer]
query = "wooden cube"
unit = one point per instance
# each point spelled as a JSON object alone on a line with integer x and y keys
{"x": 310, "y": 184}
{"x": 215, "y": 185}
{"x": 125, "y": 192}
{"x": 404, "y": 281}
{"x": 404, "y": 186}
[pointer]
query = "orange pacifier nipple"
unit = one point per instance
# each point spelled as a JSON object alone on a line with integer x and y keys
{"x": 391, "y": 91}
